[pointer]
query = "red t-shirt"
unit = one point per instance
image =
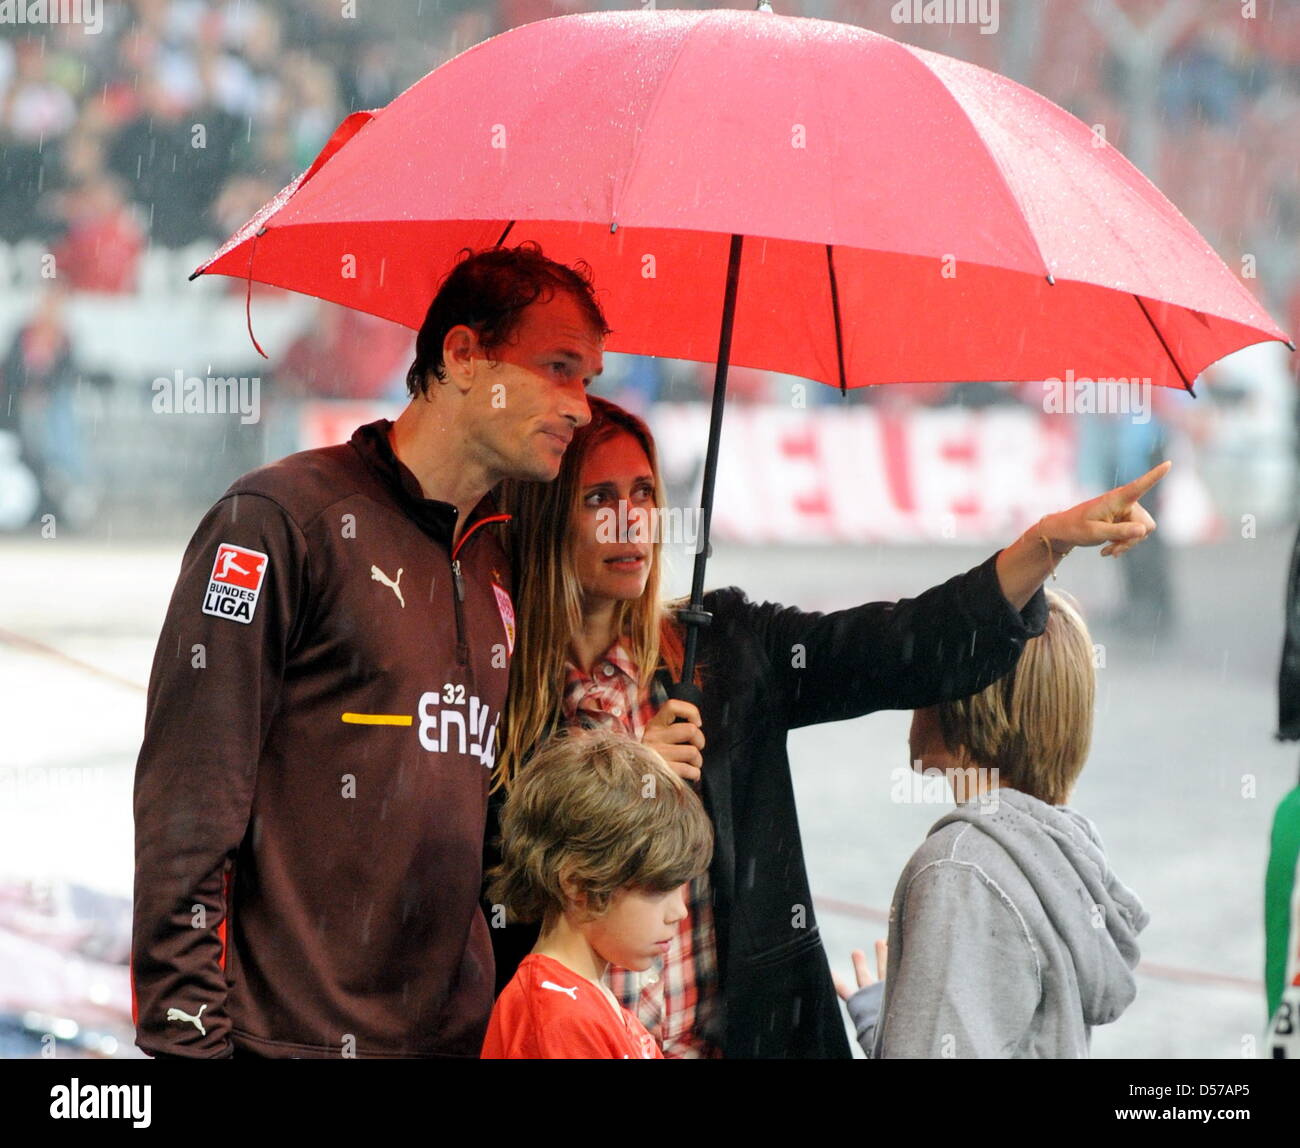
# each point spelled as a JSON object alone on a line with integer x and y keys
{"x": 548, "y": 1012}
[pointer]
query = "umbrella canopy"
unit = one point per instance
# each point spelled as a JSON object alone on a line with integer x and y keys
{"x": 911, "y": 217}
{"x": 779, "y": 192}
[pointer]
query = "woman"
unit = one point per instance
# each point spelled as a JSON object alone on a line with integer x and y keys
{"x": 747, "y": 975}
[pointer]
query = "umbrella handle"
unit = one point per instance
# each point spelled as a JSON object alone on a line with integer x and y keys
{"x": 686, "y": 692}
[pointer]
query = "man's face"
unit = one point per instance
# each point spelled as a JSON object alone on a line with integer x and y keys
{"x": 529, "y": 401}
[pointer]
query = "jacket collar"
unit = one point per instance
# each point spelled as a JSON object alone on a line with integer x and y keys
{"x": 436, "y": 518}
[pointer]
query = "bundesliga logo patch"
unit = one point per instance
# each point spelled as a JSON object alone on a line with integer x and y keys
{"x": 235, "y": 583}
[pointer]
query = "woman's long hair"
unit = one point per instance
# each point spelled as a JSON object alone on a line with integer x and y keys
{"x": 548, "y": 597}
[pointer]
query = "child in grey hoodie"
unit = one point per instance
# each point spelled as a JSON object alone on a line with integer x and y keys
{"x": 1009, "y": 936}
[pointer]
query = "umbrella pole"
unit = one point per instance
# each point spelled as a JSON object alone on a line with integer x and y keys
{"x": 694, "y": 616}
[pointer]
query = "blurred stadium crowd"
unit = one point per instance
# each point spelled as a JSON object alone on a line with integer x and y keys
{"x": 127, "y": 155}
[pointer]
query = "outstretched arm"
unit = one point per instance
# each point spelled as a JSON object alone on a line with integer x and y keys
{"x": 948, "y": 642}
{"x": 1114, "y": 520}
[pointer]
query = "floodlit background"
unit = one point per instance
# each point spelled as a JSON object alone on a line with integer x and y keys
{"x": 106, "y": 205}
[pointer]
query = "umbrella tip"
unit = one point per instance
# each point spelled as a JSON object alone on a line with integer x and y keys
{"x": 1051, "y": 279}
{"x": 1290, "y": 346}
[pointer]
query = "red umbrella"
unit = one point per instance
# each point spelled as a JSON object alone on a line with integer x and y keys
{"x": 778, "y": 192}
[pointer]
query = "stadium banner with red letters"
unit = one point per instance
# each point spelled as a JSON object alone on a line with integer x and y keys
{"x": 854, "y": 475}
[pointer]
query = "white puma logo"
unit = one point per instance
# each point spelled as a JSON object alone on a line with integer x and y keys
{"x": 377, "y": 575}
{"x": 572, "y": 993}
{"x": 178, "y": 1014}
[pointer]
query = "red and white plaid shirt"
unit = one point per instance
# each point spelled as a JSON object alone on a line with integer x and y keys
{"x": 676, "y": 997}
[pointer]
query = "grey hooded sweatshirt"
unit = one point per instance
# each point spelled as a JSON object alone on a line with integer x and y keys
{"x": 1009, "y": 937}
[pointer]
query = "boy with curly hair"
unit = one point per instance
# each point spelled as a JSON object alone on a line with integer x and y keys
{"x": 599, "y": 840}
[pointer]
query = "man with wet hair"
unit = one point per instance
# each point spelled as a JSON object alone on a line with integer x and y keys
{"x": 311, "y": 791}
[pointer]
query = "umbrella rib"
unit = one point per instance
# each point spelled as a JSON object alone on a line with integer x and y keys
{"x": 994, "y": 163}
{"x": 1177, "y": 367}
{"x": 835, "y": 312}
{"x": 656, "y": 98}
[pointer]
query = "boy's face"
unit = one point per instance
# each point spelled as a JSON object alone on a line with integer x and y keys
{"x": 637, "y": 927}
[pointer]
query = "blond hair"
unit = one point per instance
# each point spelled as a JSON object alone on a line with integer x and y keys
{"x": 603, "y": 812}
{"x": 1034, "y": 726}
{"x": 548, "y": 595}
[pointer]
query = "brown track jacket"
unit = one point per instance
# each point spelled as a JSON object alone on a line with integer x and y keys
{"x": 311, "y": 791}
